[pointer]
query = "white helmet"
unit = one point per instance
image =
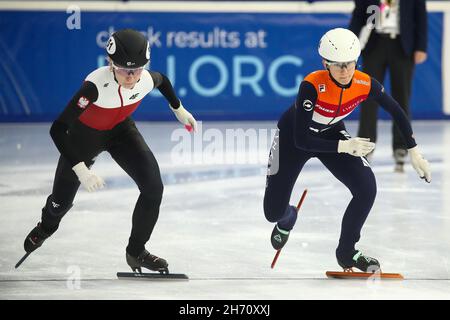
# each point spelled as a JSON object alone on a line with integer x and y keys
{"x": 339, "y": 45}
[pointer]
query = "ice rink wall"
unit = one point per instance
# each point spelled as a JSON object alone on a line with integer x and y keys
{"x": 227, "y": 60}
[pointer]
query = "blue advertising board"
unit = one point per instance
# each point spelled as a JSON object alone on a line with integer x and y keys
{"x": 224, "y": 66}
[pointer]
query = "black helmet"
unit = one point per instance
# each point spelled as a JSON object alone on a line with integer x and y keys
{"x": 128, "y": 48}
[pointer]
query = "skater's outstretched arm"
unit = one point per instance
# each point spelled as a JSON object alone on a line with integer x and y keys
{"x": 85, "y": 96}
{"x": 165, "y": 87}
{"x": 389, "y": 104}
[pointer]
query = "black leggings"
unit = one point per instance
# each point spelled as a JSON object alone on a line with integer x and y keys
{"x": 128, "y": 148}
{"x": 285, "y": 166}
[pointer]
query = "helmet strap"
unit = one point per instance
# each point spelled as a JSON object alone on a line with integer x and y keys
{"x": 343, "y": 86}
{"x": 114, "y": 74}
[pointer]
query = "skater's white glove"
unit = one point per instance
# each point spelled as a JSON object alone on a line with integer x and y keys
{"x": 90, "y": 181}
{"x": 357, "y": 147}
{"x": 419, "y": 163}
{"x": 185, "y": 117}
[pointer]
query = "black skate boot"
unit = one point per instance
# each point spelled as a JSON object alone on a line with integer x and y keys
{"x": 52, "y": 214}
{"x": 149, "y": 261}
{"x": 361, "y": 262}
{"x": 279, "y": 237}
{"x": 35, "y": 238}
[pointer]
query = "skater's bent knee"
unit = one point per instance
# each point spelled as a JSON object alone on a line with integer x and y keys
{"x": 153, "y": 190}
{"x": 366, "y": 192}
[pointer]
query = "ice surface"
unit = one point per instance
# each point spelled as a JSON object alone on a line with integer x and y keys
{"x": 212, "y": 226}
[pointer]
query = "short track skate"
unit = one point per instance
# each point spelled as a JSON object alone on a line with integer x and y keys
{"x": 150, "y": 262}
{"x": 350, "y": 274}
{"x": 277, "y": 254}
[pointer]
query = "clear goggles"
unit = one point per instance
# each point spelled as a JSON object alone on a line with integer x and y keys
{"x": 341, "y": 65}
{"x": 127, "y": 71}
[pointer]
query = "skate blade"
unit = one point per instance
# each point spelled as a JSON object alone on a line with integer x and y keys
{"x": 152, "y": 276}
{"x": 22, "y": 260}
{"x": 363, "y": 275}
{"x": 274, "y": 261}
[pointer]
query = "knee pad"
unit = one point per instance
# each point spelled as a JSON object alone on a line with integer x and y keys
{"x": 289, "y": 218}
